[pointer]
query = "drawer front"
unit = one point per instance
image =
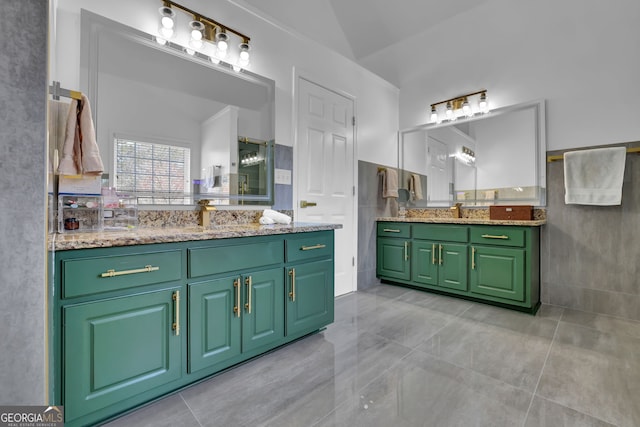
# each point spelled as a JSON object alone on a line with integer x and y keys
{"x": 441, "y": 232}
{"x": 109, "y": 273}
{"x": 221, "y": 259}
{"x": 394, "y": 229}
{"x": 309, "y": 246}
{"x": 498, "y": 236}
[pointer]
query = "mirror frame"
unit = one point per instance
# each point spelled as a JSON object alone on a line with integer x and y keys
{"x": 538, "y": 107}
{"x": 93, "y": 25}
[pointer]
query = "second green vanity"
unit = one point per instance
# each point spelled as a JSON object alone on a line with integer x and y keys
{"x": 133, "y": 323}
{"x": 489, "y": 262}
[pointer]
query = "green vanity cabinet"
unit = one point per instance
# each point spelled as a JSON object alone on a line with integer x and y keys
{"x": 133, "y": 323}
{"x": 310, "y": 283}
{"x": 234, "y": 315}
{"x": 498, "y": 264}
{"x": 505, "y": 264}
{"x": 117, "y": 348}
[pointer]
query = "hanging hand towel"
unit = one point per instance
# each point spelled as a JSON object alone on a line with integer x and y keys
{"x": 80, "y": 154}
{"x": 415, "y": 187}
{"x": 389, "y": 183}
{"x": 594, "y": 177}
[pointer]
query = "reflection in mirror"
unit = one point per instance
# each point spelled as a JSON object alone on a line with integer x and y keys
{"x": 493, "y": 159}
{"x": 173, "y": 128}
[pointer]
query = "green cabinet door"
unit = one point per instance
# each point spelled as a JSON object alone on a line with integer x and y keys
{"x": 498, "y": 272}
{"x": 309, "y": 296}
{"x": 214, "y": 322}
{"x": 263, "y": 308}
{"x": 117, "y": 348}
{"x": 453, "y": 269}
{"x": 425, "y": 263}
{"x": 439, "y": 264}
{"x": 393, "y": 258}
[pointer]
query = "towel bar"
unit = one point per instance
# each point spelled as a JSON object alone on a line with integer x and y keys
{"x": 560, "y": 157}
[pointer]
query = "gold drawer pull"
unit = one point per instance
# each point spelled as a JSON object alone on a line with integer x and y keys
{"x": 490, "y": 236}
{"x": 176, "y": 311}
{"x": 236, "y": 307}
{"x": 390, "y": 230}
{"x": 113, "y": 273}
{"x": 433, "y": 253}
{"x": 292, "y": 294}
{"x": 473, "y": 258}
{"x": 309, "y": 248}
{"x": 247, "y": 305}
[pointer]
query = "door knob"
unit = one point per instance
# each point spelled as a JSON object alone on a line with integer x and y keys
{"x": 305, "y": 204}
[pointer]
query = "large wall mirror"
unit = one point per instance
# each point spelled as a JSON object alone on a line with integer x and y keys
{"x": 496, "y": 158}
{"x": 173, "y": 128}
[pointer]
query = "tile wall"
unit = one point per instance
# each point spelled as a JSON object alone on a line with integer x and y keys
{"x": 23, "y": 91}
{"x": 590, "y": 255}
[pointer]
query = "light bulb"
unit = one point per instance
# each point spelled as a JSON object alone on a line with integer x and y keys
{"x": 221, "y": 42}
{"x": 449, "y": 112}
{"x": 483, "y": 104}
{"x": 466, "y": 108}
{"x": 167, "y": 23}
{"x": 434, "y": 114}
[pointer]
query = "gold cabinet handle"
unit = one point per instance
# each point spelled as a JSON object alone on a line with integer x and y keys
{"x": 406, "y": 251}
{"x": 305, "y": 204}
{"x": 433, "y": 253}
{"x": 490, "y": 236}
{"x": 176, "y": 312}
{"x": 390, "y": 230}
{"x": 310, "y": 248}
{"x": 236, "y": 307}
{"x": 473, "y": 258}
{"x": 247, "y": 306}
{"x": 146, "y": 269}
{"x": 292, "y": 294}
{"x": 440, "y": 255}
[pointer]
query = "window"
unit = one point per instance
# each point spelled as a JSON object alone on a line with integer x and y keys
{"x": 158, "y": 173}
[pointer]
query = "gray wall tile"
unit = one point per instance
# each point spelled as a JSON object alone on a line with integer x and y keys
{"x": 23, "y": 80}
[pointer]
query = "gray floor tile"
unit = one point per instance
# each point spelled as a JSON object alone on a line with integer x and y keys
{"x": 387, "y": 291}
{"x": 544, "y": 413}
{"x": 513, "y": 355}
{"x": 594, "y": 373}
{"x": 425, "y": 391}
{"x": 444, "y": 304}
{"x": 169, "y": 412}
{"x": 602, "y": 322}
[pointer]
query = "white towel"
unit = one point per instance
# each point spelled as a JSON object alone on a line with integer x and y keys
{"x": 278, "y": 217}
{"x": 266, "y": 221}
{"x": 80, "y": 154}
{"x": 594, "y": 177}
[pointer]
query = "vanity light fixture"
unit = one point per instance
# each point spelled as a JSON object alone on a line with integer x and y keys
{"x": 460, "y": 106}
{"x": 203, "y": 29}
{"x": 466, "y": 156}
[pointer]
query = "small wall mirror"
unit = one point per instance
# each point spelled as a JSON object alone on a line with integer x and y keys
{"x": 172, "y": 127}
{"x": 497, "y": 158}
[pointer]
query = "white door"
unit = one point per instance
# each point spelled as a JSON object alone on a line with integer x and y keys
{"x": 325, "y": 171}
{"x": 438, "y": 181}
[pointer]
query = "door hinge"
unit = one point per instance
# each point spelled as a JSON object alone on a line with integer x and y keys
{"x": 353, "y": 120}
{"x": 354, "y": 190}
{"x": 353, "y": 261}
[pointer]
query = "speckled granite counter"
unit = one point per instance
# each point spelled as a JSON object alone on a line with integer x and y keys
{"x": 143, "y": 236}
{"x": 481, "y": 221}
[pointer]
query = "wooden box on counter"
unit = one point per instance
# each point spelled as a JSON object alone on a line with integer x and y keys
{"x": 518, "y": 213}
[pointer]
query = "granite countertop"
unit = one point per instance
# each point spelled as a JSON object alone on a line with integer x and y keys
{"x": 480, "y": 221}
{"x": 143, "y": 236}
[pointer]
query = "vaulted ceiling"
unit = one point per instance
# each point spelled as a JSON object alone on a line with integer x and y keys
{"x": 363, "y": 30}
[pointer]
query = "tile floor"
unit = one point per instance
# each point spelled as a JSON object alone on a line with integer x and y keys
{"x": 399, "y": 357}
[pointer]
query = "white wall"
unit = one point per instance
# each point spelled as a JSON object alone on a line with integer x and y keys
{"x": 276, "y": 54}
{"x": 579, "y": 55}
